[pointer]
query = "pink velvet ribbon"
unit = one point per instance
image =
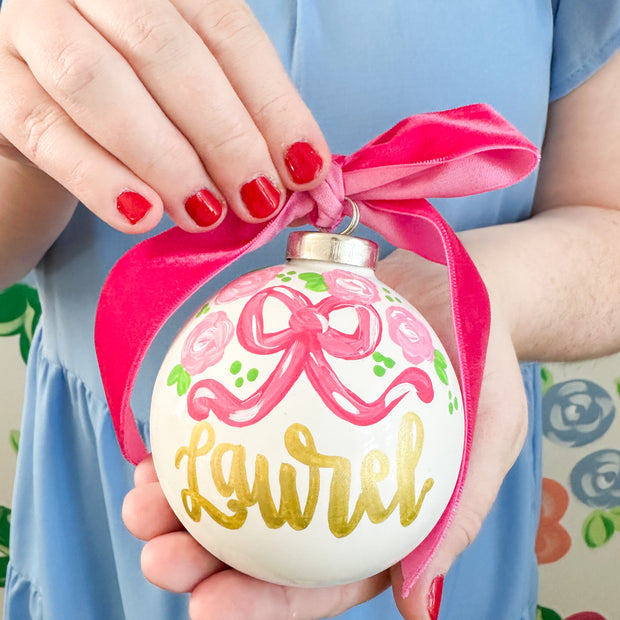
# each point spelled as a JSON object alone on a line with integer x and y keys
{"x": 457, "y": 152}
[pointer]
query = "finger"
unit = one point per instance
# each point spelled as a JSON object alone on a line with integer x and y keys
{"x": 43, "y": 133}
{"x": 177, "y": 562}
{"x": 145, "y": 472}
{"x": 193, "y": 92}
{"x": 253, "y": 67}
{"x": 228, "y": 595}
{"x": 147, "y": 514}
{"x": 93, "y": 83}
{"x": 501, "y": 426}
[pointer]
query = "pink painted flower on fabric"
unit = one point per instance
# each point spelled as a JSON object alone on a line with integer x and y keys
{"x": 247, "y": 285}
{"x": 350, "y": 287}
{"x": 410, "y": 334}
{"x": 205, "y": 344}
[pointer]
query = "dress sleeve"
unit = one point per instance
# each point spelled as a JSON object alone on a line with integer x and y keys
{"x": 585, "y": 36}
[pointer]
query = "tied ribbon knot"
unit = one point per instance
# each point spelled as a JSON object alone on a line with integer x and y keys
{"x": 309, "y": 335}
{"x": 457, "y": 152}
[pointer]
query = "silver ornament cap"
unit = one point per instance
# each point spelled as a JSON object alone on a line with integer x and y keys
{"x": 334, "y": 247}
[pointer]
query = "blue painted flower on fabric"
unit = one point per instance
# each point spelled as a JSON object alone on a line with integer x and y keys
{"x": 595, "y": 480}
{"x": 577, "y": 412}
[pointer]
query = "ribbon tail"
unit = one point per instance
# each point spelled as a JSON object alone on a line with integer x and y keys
{"x": 349, "y": 406}
{"x": 418, "y": 227}
{"x": 209, "y": 395}
{"x": 165, "y": 270}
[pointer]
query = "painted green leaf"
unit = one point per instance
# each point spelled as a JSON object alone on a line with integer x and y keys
{"x": 614, "y": 515}
{"x": 546, "y": 379}
{"x": 440, "y": 366}
{"x": 598, "y": 528}
{"x": 181, "y": 377}
{"x": 14, "y": 439}
{"x": 314, "y": 281}
{"x": 204, "y": 310}
{"x": 20, "y": 311}
{"x": 618, "y": 385}
{"x": 544, "y": 613}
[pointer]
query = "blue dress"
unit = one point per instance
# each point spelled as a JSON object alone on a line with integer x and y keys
{"x": 361, "y": 67}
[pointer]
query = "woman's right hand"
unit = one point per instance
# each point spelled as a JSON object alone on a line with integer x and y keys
{"x": 152, "y": 105}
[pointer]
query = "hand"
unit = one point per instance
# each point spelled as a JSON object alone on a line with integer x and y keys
{"x": 137, "y": 107}
{"x": 174, "y": 561}
{"x": 501, "y": 422}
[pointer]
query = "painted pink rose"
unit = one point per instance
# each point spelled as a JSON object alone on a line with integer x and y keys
{"x": 205, "y": 344}
{"x": 351, "y": 287}
{"x": 248, "y": 284}
{"x": 410, "y": 334}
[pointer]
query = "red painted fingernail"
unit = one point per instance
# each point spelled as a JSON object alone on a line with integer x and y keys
{"x": 434, "y": 597}
{"x": 133, "y": 206}
{"x": 204, "y": 208}
{"x": 303, "y": 162}
{"x": 261, "y": 197}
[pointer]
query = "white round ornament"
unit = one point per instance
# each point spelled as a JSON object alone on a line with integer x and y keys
{"x": 307, "y": 427}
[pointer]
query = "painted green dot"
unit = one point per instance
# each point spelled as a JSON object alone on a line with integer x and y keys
{"x": 456, "y": 405}
{"x": 379, "y": 371}
{"x": 377, "y": 356}
{"x": 239, "y": 382}
{"x": 252, "y": 374}
{"x": 291, "y": 273}
{"x": 387, "y": 290}
{"x": 398, "y": 300}
{"x": 449, "y": 395}
{"x": 389, "y": 298}
{"x": 286, "y": 279}
{"x": 235, "y": 367}
{"x": 450, "y": 409}
{"x": 389, "y": 362}
{"x": 281, "y": 275}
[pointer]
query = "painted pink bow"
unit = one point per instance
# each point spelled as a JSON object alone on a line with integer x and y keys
{"x": 442, "y": 154}
{"x": 308, "y": 336}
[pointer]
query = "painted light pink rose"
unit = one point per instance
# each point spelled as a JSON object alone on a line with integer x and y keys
{"x": 247, "y": 285}
{"x": 205, "y": 344}
{"x": 350, "y": 287}
{"x": 410, "y": 334}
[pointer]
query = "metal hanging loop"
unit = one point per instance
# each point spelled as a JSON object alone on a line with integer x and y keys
{"x": 355, "y": 217}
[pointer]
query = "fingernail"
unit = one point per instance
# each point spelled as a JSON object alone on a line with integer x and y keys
{"x": 303, "y": 162}
{"x": 434, "y": 597}
{"x": 133, "y": 206}
{"x": 204, "y": 208}
{"x": 261, "y": 197}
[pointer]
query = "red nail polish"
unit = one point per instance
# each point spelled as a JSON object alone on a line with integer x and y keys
{"x": 434, "y": 597}
{"x": 204, "y": 208}
{"x": 261, "y": 197}
{"x": 133, "y": 206}
{"x": 303, "y": 162}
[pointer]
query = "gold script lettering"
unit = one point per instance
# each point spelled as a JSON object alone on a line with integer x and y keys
{"x": 300, "y": 444}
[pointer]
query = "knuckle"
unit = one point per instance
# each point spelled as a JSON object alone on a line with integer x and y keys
{"x": 39, "y": 125}
{"x": 466, "y": 528}
{"x": 75, "y": 67}
{"x": 150, "y": 36}
{"x": 278, "y": 106}
{"x": 234, "y": 138}
{"x": 229, "y": 23}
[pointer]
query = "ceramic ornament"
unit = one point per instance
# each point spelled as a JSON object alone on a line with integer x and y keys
{"x": 306, "y": 425}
